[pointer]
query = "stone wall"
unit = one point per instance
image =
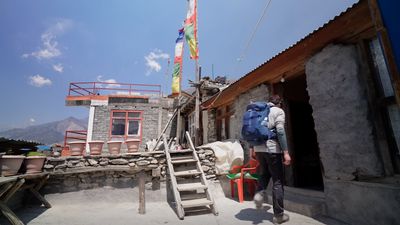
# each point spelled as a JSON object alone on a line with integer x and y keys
{"x": 75, "y": 173}
{"x": 346, "y": 140}
{"x": 259, "y": 93}
{"x": 212, "y": 130}
{"x": 341, "y": 114}
{"x": 363, "y": 203}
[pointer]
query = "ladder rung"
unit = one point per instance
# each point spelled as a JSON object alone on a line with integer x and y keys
{"x": 183, "y": 161}
{"x": 196, "y": 202}
{"x": 181, "y": 151}
{"x": 187, "y": 173}
{"x": 191, "y": 186}
{"x": 182, "y": 157}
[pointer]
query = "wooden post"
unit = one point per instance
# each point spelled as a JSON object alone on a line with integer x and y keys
{"x": 178, "y": 121}
{"x": 142, "y": 199}
{"x": 197, "y": 107}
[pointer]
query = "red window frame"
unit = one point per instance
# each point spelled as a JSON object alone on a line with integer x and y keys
{"x": 127, "y": 119}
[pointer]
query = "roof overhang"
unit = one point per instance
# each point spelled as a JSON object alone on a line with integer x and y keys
{"x": 349, "y": 27}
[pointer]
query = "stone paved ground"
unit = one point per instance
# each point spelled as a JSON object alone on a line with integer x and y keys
{"x": 111, "y": 206}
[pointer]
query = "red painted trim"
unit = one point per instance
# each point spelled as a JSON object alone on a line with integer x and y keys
{"x": 127, "y": 119}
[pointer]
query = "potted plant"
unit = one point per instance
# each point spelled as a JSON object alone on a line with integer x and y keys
{"x": 34, "y": 162}
{"x": 96, "y": 147}
{"x": 114, "y": 147}
{"x": 76, "y": 147}
{"x": 132, "y": 145}
{"x": 10, "y": 164}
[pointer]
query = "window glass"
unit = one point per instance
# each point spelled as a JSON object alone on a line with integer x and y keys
{"x": 119, "y": 114}
{"x": 381, "y": 68}
{"x": 133, "y": 127}
{"x": 134, "y": 114}
{"x": 394, "y": 115}
{"x": 118, "y": 127}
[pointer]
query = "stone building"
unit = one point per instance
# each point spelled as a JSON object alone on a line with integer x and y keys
{"x": 341, "y": 92}
{"x": 121, "y": 111}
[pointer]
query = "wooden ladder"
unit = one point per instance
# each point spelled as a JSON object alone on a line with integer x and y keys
{"x": 189, "y": 184}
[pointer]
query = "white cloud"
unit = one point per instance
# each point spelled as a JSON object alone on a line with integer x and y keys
{"x": 39, "y": 81}
{"x": 152, "y": 61}
{"x": 49, "y": 48}
{"x": 58, "y": 68}
{"x": 32, "y": 120}
{"x": 112, "y": 81}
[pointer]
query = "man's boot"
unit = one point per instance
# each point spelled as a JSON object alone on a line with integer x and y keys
{"x": 259, "y": 199}
{"x": 278, "y": 219}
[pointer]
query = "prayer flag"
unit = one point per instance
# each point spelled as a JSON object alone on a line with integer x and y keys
{"x": 177, "y": 70}
{"x": 191, "y": 29}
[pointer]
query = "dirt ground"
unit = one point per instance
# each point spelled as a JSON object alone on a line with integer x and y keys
{"x": 111, "y": 206}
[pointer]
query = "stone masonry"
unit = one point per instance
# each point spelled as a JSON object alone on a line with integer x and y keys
{"x": 259, "y": 93}
{"x": 75, "y": 173}
{"x": 340, "y": 111}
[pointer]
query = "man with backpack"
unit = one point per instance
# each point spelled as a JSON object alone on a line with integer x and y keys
{"x": 272, "y": 153}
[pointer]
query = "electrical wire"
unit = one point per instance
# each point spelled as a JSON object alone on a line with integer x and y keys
{"x": 243, "y": 54}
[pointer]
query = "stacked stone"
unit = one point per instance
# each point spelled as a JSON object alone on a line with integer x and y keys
{"x": 135, "y": 161}
{"x": 207, "y": 161}
{"x": 74, "y": 173}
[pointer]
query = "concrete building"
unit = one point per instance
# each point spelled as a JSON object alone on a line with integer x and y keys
{"x": 341, "y": 92}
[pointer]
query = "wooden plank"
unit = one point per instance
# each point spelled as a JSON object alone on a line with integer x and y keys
{"x": 10, "y": 215}
{"x": 13, "y": 189}
{"x": 183, "y": 161}
{"x": 191, "y": 186}
{"x": 202, "y": 176}
{"x": 181, "y": 157}
{"x": 4, "y": 180}
{"x": 180, "y": 151}
{"x": 196, "y": 202}
{"x": 40, "y": 197}
{"x": 5, "y": 188}
{"x": 187, "y": 173}
{"x": 142, "y": 197}
{"x": 165, "y": 128}
{"x": 179, "y": 209}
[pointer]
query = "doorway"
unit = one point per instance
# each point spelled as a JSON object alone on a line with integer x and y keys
{"x": 302, "y": 138}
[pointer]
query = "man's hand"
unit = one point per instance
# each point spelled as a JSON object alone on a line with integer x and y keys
{"x": 252, "y": 153}
{"x": 286, "y": 158}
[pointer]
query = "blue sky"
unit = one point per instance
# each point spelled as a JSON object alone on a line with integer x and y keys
{"x": 45, "y": 45}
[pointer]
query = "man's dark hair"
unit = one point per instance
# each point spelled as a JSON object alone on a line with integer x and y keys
{"x": 276, "y": 99}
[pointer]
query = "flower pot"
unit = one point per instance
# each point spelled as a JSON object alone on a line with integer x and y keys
{"x": 10, "y": 164}
{"x": 114, "y": 147}
{"x": 132, "y": 145}
{"x": 76, "y": 147}
{"x": 96, "y": 147}
{"x": 34, "y": 164}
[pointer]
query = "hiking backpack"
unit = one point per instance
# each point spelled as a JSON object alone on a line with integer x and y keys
{"x": 253, "y": 130}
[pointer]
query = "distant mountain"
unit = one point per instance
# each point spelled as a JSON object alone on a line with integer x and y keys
{"x": 48, "y": 133}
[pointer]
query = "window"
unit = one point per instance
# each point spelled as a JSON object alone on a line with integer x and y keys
{"x": 126, "y": 124}
{"x": 192, "y": 125}
{"x": 223, "y": 122}
{"x": 387, "y": 99}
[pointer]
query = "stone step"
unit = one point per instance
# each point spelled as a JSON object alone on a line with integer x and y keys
{"x": 306, "y": 202}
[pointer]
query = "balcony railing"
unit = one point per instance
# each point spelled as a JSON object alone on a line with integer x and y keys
{"x": 74, "y": 135}
{"x": 107, "y": 88}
